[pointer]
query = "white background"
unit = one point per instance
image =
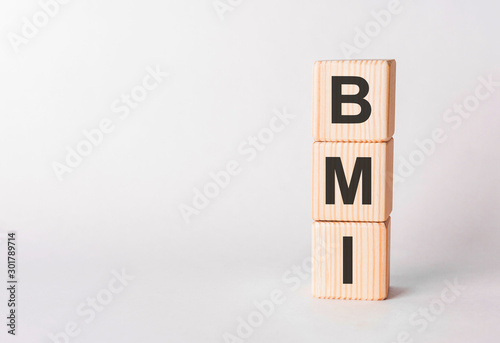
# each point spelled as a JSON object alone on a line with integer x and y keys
{"x": 119, "y": 208}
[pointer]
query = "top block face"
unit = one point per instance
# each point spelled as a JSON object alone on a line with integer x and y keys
{"x": 353, "y": 101}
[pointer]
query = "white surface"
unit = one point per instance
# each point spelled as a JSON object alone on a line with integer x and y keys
{"x": 119, "y": 208}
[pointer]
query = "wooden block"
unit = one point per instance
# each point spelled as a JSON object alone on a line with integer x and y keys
{"x": 351, "y": 260}
{"x": 334, "y": 104}
{"x": 352, "y": 181}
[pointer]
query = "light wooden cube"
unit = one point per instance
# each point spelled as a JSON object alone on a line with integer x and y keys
{"x": 351, "y": 260}
{"x": 370, "y": 204}
{"x": 380, "y": 75}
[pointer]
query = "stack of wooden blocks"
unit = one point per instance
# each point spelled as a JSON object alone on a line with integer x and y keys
{"x": 353, "y": 125}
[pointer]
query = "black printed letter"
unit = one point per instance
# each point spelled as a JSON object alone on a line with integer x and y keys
{"x": 334, "y": 167}
{"x": 338, "y": 99}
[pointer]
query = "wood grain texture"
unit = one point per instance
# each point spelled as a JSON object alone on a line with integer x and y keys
{"x": 381, "y": 78}
{"x": 381, "y": 178}
{"x": 371, "y": 258}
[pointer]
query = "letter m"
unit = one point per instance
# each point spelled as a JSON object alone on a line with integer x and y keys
{"x": 362, "y": 166}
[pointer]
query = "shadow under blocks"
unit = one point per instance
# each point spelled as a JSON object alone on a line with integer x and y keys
{"x": 353, "y": 152}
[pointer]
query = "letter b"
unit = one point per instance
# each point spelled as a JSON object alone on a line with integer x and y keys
{"x": 338, "y": 99}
